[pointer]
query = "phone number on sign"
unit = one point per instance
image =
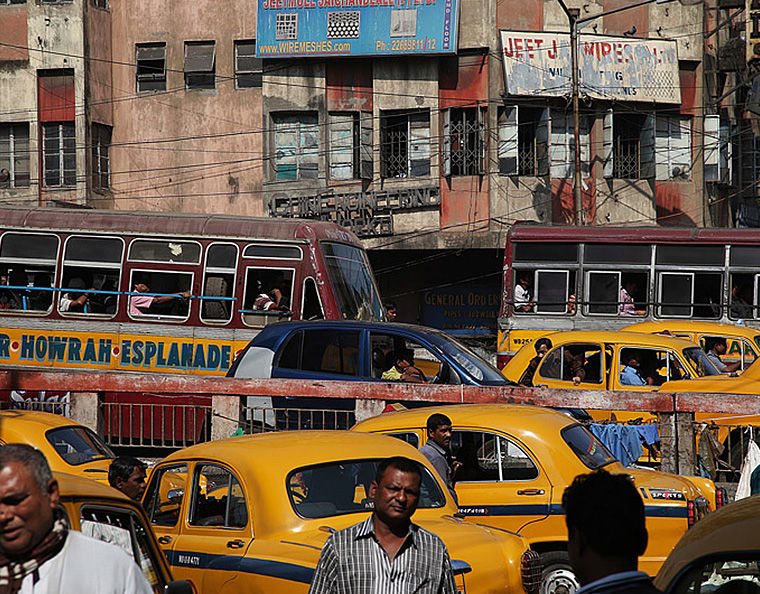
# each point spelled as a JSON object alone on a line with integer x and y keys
{"x": 405, "y": 45}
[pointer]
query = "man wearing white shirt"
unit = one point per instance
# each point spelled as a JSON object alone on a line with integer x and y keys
{"x": 606, "y": 534}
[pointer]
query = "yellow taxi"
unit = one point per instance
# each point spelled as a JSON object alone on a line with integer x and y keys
{"x": 107, "y": 514}
{"x": 68, "y": 446}
{"x": 271, "y": 500}
{"x": 517, "y": 461}
{"x": 743, "y": 342}
{"x": 720, "y": 555}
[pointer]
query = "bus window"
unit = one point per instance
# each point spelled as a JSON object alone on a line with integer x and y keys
{"x": 553, "y": 289}
{"x": 603, "y": 290}
{"x": 687, "y": 294}
{"x": 164, "y": 287}
{"x": 707, "y": 294}
{"x": 741, "y": 302}
{"x": 91, "y": 266}
{"x": 264, "y": 280}
{"x": 219, "y": 281}
{"x": 311, "y": 304}
{"x": 27, "y": 267}
{"x": 171, "y": 251}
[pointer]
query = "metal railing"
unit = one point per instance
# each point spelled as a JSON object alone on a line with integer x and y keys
{"x": 263, "y": 420}
{"x": 155, "y": 425}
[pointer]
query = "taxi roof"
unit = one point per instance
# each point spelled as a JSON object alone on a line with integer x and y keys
{"x": 692, "y": 326}
{"x": 42, "y": 419}
{"x": 77, "y": 487}
{"x": 641, "y": 338}
{"x": 735, "y": 527}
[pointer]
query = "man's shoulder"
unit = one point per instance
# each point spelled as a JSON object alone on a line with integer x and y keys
{"x": 98, "y": 550}
{"x": 430, "y": 447}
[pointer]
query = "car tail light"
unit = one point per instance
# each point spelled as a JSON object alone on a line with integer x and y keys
{"x": 530, "y": 569}
{"x": 721, "y": 497}
{"x": 691, "y": 513}
{"x": 501, "y": 361}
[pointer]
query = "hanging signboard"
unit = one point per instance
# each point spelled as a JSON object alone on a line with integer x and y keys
{"x": 314, "y": 28}
{"x": 618, "y": 68}
{"x": 753, "y": 30}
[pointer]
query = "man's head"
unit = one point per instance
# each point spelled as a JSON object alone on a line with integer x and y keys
{"x": 605, "y": 524}
{"x": 404, "y": 358}
{"x": 127, "y": 474}
{"x": 524, "y": 282}
{"x": 390, "y": 310}
{"x": 717, "y": 344}
{"x": 631, "y": 358}
{"x": 141, "y": 288}
{"x": 396, "y": 490}
{"x": 542, "y": 346}
{"x": 439, "y": 429}
{"x": 28, "y": 496}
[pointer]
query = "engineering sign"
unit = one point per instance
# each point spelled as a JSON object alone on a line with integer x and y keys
{"x": 319, "y": 28}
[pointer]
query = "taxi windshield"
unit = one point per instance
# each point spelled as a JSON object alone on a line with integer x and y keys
{"x": 337, "y": 488}
{"x": 78, "y": 445}
{"x": 586, "y": 446}
{"x": 700, "y": 362}
{"x": 352, "y": 282}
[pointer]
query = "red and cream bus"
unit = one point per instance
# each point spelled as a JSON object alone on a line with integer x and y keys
{"x": 605, "y": 278}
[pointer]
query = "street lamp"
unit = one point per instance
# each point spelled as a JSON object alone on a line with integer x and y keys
{"x": 575, "y": 24}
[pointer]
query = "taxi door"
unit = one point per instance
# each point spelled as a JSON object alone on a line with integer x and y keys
{"x": 163, "y": 502}
{"x": 216, "y": 531}
{"x": 499, "y": 483}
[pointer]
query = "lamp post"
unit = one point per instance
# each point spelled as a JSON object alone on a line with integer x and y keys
{"x": 575, "y": 25}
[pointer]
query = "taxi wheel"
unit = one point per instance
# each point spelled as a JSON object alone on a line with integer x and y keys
{"x": 557, "y": 577}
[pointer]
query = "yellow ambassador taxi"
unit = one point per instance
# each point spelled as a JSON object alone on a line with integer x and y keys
{"x": 743, "y": 342}
{"x": 720, "y": 555}
{"x": 270, "y": 501}
{"x": 108, "y": 515}
{"x": 517, "y": 461}
{"x": 68, "y": 446}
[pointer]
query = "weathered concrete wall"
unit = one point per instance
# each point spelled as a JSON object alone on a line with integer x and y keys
{"x": 185, "y": 151}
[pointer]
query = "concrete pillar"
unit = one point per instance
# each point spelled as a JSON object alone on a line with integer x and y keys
{"x": 85, "y": 409}
{"x": 225, "y": 416}
{"x": 366, "y": 408}
{"x": 678, "y": 442}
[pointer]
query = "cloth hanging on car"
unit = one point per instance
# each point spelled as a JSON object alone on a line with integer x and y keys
{"x": 751, "y": 462}
{"x": 623, "y": 441}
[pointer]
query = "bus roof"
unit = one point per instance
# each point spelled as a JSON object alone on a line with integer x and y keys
{"x": 175, "y": 224}
{"x": 531, "y": 232}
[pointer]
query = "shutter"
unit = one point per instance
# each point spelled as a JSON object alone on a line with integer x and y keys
{"x": 507, "y": 150}
{"x": 725, "y": 160}
{"x": 608, "y": 134}
{"x": 366, "y": 161}
{"x": 542, "y": 142}
{"x": 680, "y": 146}
{"x": 482, "y": 140}
{"x": 446, "y": 156}
{"x": 341, "y": 137}
{"x": 585, "y": 146}
{"x": 285, "y": 147}
{"x": 647, "y": 142}
{"x": 662, "y": 148}
{"x": 308, "y": 166}
{"x": 200, "y": 57}
{"x": 419, "y": 144}
{"x": 711, "y": 147}
{"x": 559, "y": 155}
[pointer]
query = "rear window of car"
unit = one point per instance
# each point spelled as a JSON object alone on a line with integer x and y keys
{"x": 78, "y": 445}
{"x": 586, "y": 446}
{"x": 338, "y": 488}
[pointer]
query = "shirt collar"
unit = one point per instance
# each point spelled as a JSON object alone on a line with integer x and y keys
{"x": 437, "y": 447}
{"x": 367, "y": 528}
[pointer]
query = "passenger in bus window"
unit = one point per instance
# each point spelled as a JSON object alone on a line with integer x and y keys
{"x": 542, "y": 346}
{"x": 630, "y": 375}
{"x": 522, "y": 296}
{"x": 271, "y": 301}
{"x": 716, "y": 347}
{"x": 72, "y": 300}
{"x": 627, "y": 306}
{"x": 740, "y": 305}
{"x": 140, "y": 304}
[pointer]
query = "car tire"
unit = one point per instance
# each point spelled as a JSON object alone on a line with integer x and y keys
{"x": 557, "y": 577}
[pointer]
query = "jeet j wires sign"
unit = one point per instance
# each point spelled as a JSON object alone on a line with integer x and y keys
{"x": 753, "y": 30}
{"x": 613, "y": 68}
{"x": 289, "y": 28}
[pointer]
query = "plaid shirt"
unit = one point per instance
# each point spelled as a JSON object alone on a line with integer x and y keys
{"x": 353, "y": 562}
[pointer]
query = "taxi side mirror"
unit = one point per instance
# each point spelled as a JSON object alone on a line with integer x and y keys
{"x": 179, "y": 587}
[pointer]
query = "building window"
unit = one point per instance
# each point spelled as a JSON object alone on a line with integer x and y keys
{"x": 718, "y": 149}
{"x": 523, "y": 138}
{"x": 562, "y": 145}
{"x": 247, "y": 65}
{"x": 672, "y": 145}
{"x": 405, "y": 143}
{"x": 200, "y": 65}
{"x": 151, "y": 67}
{"x": 14, "y": 155}
{"x": 632, "y": 145}
{"x": 296, "y": 146}
{"x": 59, "y": 154}
{"x": 12, "y": 2}
{"x": 57, "y": 1}
{"x": 100, "y": 4}
{"x": 464, "y": 141}
{"x": 351, "y": 145}
{"x": 101, "y": 148}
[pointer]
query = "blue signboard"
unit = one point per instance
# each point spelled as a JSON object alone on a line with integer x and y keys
{"x": 467, "y": 311}
{"x": 320, "y": 28}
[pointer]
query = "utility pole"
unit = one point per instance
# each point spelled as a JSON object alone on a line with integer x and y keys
{"x": 573, "y": 14}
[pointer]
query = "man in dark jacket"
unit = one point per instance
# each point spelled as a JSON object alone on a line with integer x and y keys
{"x": 606, "y": 533}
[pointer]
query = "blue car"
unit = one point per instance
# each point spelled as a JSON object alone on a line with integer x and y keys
{"x": 360, "y": 351}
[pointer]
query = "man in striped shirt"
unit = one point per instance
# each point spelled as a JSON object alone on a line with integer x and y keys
{"x": 386, "y": 553}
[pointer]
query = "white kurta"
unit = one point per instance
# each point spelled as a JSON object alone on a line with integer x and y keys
{"x": 86, "y": 565}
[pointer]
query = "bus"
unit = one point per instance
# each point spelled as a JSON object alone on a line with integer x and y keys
{"x": 606, "y": 278}
{"x": 204, "y": 273}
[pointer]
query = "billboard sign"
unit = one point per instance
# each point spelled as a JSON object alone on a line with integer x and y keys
{"x": 616, "y": 68}
{"x": 321, "y": 28}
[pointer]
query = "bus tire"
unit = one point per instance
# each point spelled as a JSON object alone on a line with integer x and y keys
{"x": 557, "y": 577}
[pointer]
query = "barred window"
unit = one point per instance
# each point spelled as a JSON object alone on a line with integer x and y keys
{"x": 296, "y": 145}
{"x": 101, "y": 162}
{"x": 627, "y": 143}
{"x": 405, "y": 143}
{"x": 14, "y": 155}
{"x": 59, "y": 154}
{"x": 464, "y": 141}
